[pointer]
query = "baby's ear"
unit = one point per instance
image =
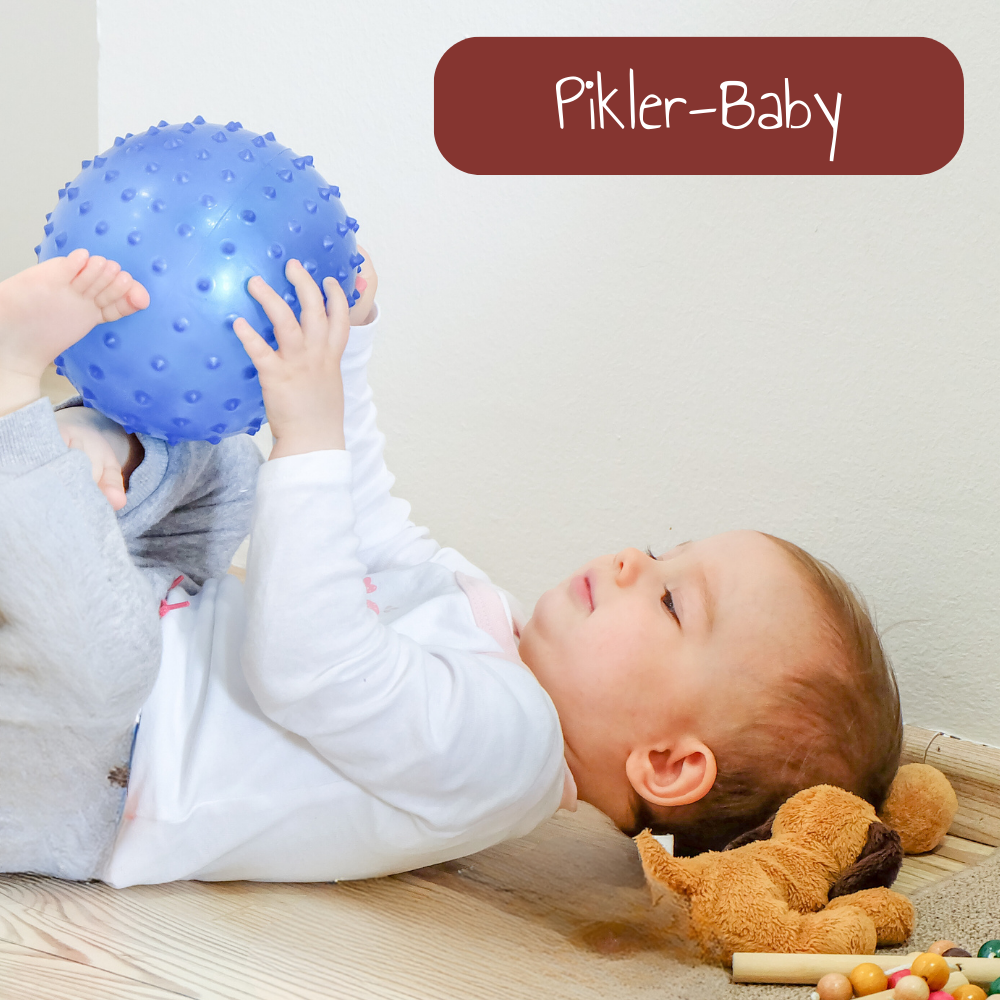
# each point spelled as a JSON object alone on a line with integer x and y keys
{"x": 877, "y": 865}
{"x": 671, "y": 775}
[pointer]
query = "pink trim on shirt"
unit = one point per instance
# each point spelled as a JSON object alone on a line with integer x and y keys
{"x": 489, "y": 615}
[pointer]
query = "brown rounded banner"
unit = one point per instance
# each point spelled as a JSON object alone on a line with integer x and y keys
{"x": 698, "y": 105}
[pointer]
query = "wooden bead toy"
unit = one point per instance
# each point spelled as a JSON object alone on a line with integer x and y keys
{"x": 956, "y": 953}
{"x": 970, "y": 992}
{"x": 932, "y": 968}
{"x": 894, "y": 977}
{"x": 994, "y": 987}
{"x": 940, "y": 995}
{"x": 834, "y": 986}
{"x": 868, "y": 978}
{"x": 940, "y": 947}
{"x": 911, "y": 988}
{"x": 990, "y": 949}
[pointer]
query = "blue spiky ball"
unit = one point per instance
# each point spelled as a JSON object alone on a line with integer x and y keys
{"x": 193, "y": 211}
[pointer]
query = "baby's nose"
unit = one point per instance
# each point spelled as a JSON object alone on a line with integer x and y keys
{"x": 629, "y": 565}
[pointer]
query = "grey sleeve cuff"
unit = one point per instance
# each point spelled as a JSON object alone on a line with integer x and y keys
{"x": 29, "y": 438}
{"x": 150, "y": 473}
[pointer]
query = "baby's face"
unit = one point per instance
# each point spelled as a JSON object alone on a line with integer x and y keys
{"x": 640, "y": 653}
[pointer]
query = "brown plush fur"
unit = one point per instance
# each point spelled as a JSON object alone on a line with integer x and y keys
{"x": 772, "y": 895}
{"x": 921, "y": 806}
{"x": 816, "y": 877}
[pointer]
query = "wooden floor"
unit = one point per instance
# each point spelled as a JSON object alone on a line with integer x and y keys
{"x": 562, "y": 913}
{"x": 953, "y": 855}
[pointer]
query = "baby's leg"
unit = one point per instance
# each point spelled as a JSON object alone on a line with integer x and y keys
{"x": 49, "y": 307}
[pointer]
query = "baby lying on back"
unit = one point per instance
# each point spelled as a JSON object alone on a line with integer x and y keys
{"x": 370, "y": 702}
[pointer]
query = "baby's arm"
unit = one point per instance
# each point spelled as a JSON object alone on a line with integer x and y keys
{"x": 467, "y": 745}
{"x": 387, "y": 535}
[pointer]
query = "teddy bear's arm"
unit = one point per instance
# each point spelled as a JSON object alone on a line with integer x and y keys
{"x": 662, "y": 868}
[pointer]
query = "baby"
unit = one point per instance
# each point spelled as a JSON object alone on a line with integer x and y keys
{"x": 370, "y": 703}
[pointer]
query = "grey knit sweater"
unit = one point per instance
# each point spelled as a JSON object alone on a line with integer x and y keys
{"x": 79, "y": 628}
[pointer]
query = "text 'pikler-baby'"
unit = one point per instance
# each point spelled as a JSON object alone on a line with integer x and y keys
{"x": 771, "y": 110}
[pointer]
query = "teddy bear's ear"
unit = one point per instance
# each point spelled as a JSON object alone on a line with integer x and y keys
{"x": 762, "y": 832}
{"x": 877, "y": 865}
{"x": 920, "y": 807}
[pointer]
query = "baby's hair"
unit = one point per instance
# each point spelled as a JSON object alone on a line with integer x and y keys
{"x": 837, "y": 722}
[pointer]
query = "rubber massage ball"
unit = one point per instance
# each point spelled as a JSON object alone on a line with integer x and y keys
{"x": 194, "y": 211}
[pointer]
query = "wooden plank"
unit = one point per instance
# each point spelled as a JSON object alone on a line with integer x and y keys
{"x": 563, "y": 913}
{"x": 974, "y": 771}
{"x": 26, "y": 974}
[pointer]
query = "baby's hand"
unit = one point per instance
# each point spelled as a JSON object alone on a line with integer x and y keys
{"x": 301, "y": 382}
{"x": 104, "y": 442}
{"x": 367, "y": 284}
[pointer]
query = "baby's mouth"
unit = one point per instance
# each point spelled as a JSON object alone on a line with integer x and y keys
{"x": 581, "y": 587}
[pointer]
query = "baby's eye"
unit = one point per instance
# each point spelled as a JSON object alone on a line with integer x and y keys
{"x": 668, "y": 602}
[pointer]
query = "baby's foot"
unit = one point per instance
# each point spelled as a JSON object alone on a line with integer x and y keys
{"x": 50, "y": 306}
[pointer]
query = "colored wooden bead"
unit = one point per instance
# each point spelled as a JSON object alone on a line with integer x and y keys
{"x": 991, "y": 949}
{"x": 940, "y": 947}
{"x": 868, "y": 978}
{"x": 932, "y": 968}
{"x": 911, "y": 988}
{"x": 940, "y": 995}
{"x": 994, "y": 987}
{"x": 834, "y": 986}
{"x": 956, "y": 953}
{"x": 969, "y": 992}
{"x": 894, "y": 977}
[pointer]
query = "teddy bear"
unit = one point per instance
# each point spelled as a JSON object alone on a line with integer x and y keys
{"x": 816, "y": 877}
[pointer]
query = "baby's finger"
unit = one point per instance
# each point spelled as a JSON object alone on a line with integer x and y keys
{"x": 310, "y": 297}
{"x": 112, "y": 485}
{"x": 254, "y": 344}
{"x": 275, "y": 308}
{"x": 337, "y": 311}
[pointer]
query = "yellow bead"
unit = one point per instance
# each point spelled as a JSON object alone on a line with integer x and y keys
{"x": 933, "y": 968}
{"x": 868, "y": 978}
{"x": 969, "y": 992}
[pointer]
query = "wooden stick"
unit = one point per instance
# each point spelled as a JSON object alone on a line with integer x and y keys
{"x": 767, "y": 967}
{"x": 775, "y": 967}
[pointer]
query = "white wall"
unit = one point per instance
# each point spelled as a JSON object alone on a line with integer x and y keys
{"x": 572, "y": 365}
{"x": 48, "y": 114}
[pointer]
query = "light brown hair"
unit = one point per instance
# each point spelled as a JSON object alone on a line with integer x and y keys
{"x": 835, "y": 721}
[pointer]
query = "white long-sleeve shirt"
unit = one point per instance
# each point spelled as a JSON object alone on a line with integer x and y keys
{"x": 360, "y": 709}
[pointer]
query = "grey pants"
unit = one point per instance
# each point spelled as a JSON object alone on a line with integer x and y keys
{"x": 79, "y": 627}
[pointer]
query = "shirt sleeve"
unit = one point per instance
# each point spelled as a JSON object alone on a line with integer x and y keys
{"x": 188, "y": 507}
{"x": 387, "y": 536}
{"x": 467, "y": 744}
